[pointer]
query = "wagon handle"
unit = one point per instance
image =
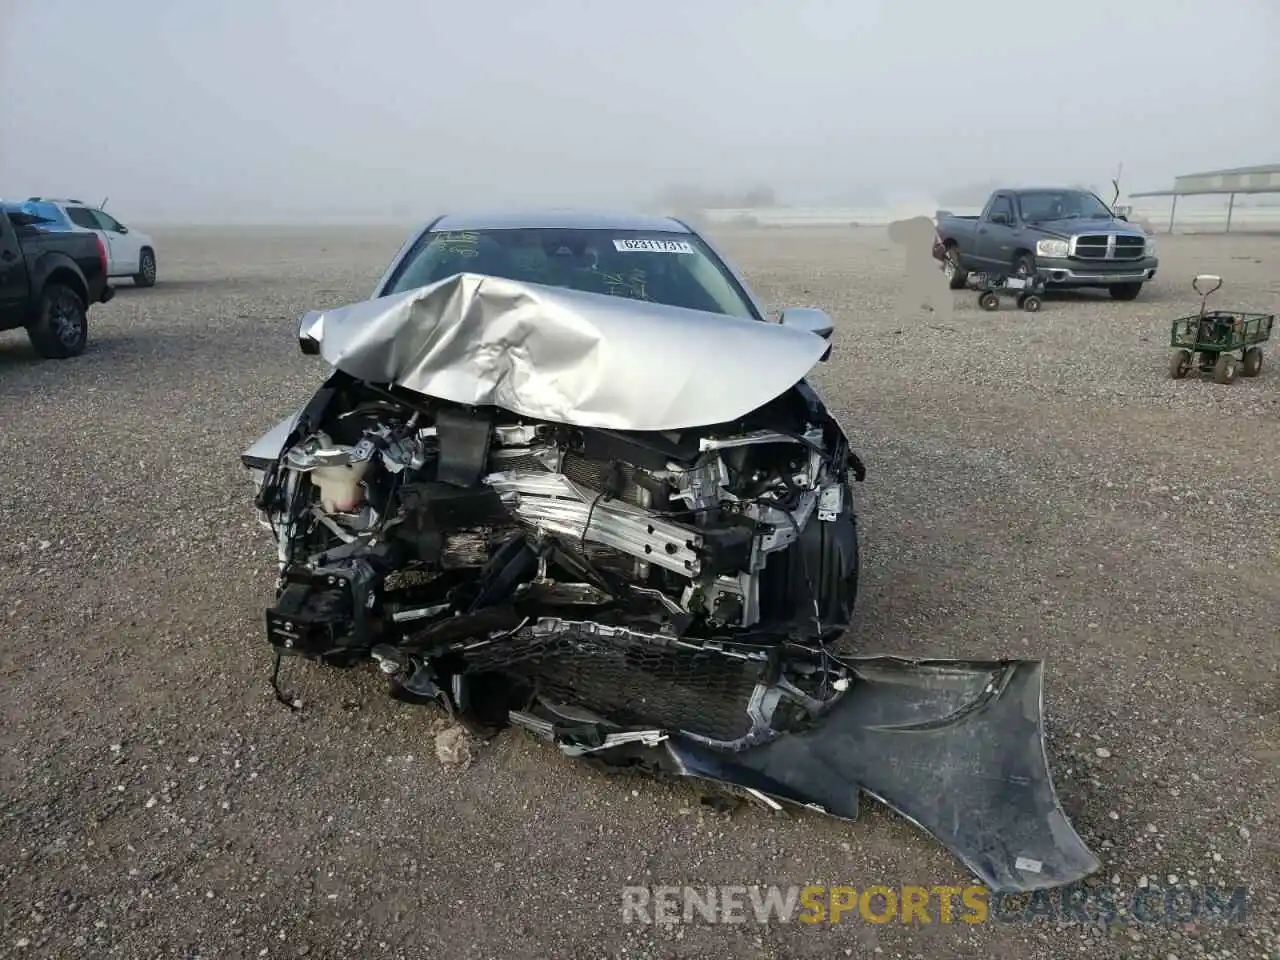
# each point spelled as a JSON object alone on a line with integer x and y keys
{"x": 1206, "y": 278}
{"x": 1204, "y": 294}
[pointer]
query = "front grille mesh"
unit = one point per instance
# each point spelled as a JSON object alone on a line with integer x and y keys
{"x": 1095, "y": 246}
{"x": 633, "y": 678}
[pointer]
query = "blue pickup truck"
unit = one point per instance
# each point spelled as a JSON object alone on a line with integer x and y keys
{"x": 1068, "y": 236}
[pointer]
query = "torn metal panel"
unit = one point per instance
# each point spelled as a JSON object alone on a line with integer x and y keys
{"x": 267, "y": 447}
{"x": 585, "y": 359}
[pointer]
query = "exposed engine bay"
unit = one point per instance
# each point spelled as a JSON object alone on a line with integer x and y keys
{"x": 486, "y": 501}
{"x": 447, "y": 542}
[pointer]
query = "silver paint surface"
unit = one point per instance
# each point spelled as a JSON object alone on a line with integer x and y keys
{"x": 584, "y": 359}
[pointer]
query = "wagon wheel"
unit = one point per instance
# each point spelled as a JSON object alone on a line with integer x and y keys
{"x": 1031, "y": 303}
{"x": 1224, "y": 370}
{"x": 989, "y": 301}
{"x": 1251, "y": 366}
{"x": 1180, "y": 364}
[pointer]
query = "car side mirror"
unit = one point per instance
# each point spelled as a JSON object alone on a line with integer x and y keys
{"x": 810, "y": 320}
{"x": 309, "y": 333}
{"x": 122, "y": 228}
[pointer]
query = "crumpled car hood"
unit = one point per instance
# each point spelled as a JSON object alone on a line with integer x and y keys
{"x": 584, "y": 359}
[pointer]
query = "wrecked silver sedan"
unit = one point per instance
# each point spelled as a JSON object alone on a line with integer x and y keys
{"x": 564, "y": 475}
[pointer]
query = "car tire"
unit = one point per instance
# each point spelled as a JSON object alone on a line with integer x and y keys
{"x": 146, "y": 275}
{"x": 1124, "y": 291}
{"x": 61, "y": 327}
{"x": 1024, "y": 265}
{"x": 957, "y": 276}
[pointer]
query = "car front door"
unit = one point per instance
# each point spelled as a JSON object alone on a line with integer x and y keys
{"x": 125, "y": 250}
{"x": 994, "y": 232}
{"x": 13, "y": 271}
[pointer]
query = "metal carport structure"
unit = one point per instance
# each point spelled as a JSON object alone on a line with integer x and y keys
{"x": 1260, "y": 179}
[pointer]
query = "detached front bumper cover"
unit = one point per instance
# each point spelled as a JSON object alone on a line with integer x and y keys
{"x": 956, "y": 747}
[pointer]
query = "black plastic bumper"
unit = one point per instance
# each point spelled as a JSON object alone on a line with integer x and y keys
{"x": 956, "y": 747}
{"x": 1064, "y": 272}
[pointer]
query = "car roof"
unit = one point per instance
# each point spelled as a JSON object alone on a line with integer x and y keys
{"x": 558, "y": 218}
{"x": 1049, "y": 190}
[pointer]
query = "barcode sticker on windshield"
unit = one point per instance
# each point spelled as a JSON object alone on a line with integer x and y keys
{"x": 652, "y": 246}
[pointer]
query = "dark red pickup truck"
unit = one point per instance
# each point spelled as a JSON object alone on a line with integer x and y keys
{"x": 49, "y": 277}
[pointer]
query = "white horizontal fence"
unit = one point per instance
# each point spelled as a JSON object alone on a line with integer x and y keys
{"x": 1192, "y": 216}
{"x": 821, "y": 216}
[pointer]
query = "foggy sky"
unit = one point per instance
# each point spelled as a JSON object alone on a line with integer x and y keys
{"x": 287, "y": 109}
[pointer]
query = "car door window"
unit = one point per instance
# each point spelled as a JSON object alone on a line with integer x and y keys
{"x": 83, "y": 218}
{"x": 107, "y": 223}
{"x": 1001, "y": 205}
{"x": 44, "y": 211}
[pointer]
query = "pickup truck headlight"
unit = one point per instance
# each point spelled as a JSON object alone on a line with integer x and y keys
{"x": 1149, "y": 247}
{"x": 1052, "y": 248}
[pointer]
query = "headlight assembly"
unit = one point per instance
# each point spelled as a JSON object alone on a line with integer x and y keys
{"x": 1051, "y": 248}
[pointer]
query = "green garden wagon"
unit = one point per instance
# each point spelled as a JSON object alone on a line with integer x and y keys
{"x": 1209, "y": 341}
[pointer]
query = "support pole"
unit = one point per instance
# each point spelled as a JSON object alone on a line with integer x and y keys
{"x": 1231, "y": 203}
{"x": 1172, "y": 210}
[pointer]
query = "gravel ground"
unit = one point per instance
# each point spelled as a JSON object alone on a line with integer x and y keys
{"x": 1037, "y": 487}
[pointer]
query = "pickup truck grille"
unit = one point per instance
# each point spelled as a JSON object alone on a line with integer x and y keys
{"x": 1106, "y": 246}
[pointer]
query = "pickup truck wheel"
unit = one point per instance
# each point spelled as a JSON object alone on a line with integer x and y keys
{"x": 1024, "y": 265}
{"x": 956, "y": 275}
{"x": 1124, "y": 291}
{"x": 146, "y": 275}
{"x": 61, "y": 328}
